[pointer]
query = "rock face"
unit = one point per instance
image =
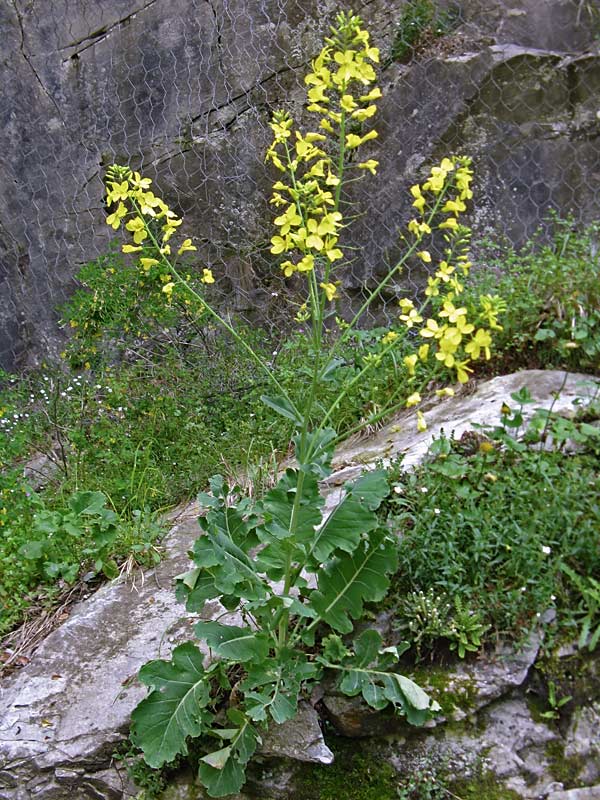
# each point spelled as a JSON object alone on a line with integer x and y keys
{"x": 185, "y": 91}
{"x": 64, "y": 715}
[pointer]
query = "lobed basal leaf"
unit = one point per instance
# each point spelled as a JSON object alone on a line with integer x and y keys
{"x": 175, "y": 709}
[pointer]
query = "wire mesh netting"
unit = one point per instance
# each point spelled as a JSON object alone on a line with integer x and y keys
{"x": 183, "y": 92}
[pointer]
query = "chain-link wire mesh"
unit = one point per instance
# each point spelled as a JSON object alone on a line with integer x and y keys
{"x": 183, "y": 91}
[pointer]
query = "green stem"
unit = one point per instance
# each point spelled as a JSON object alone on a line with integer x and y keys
{"x": 229, "y": 328}
{"x": 380, "y": 287}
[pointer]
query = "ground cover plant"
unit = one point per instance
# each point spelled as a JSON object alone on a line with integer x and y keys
{"x": 482, "y": 556}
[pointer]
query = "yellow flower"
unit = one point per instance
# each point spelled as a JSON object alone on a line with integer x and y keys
{"x": 207, "y": 276}
{"x": 306, "y": 264}
{"x": 432, "y": 330}
{"x": 451, "y": 312}
{"x": 347, "y": 102}
{"x": 410, "y": 362}
{"x": 148, "y": 202}
{"x": 432, "y": 289}
{"x": 389, "y": 338}
{"x": 138, "y": 228}
{"x": 281, "y": 125}
{"x": 462, "y": 371}
{"x": 114, "y": 219}
{"x": 418, "y": 228}
{"x": 447, "y": 392}
{"x": 330, "y": 290}
{"x": 316, "y": 94}
{"x": 425, "y": 256}
{"x": 138, "y": 182}
{"x": 419, "y": 203}
{"x": 454, "y": 206}
{"x": 289, "y": 219}
{"x": 374, "y": 94}
{"x": 451, "y": 223}
{"x": 186, "y": 247}
{"x": 371, "y": 165}
{"x": 361, "y": 114}
{"x": 119, "y": 191}
{"x": 421, "y": 424}
{"x": 280, "y": 245}
{"x": 168, "y": 289}
{"x": 413, "y": 400}
{"x": 333, "y": 253}
{"x": 412, "y": 318}
{"x": 423, "y": 352}
{"x": 147, "y": 263}
{"x": 481, "y": 341}
{"x": 352, "y": 140}
{"x": 129, "y": 248}
{"x": 288, "y": 268}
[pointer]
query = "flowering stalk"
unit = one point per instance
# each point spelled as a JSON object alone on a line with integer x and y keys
{"x": 151, "y": 222}
{"x": 255, "y": 556}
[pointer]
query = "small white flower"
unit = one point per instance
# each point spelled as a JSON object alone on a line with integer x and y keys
{"x": 546, "y": 550}
{"x": 424, "y": 489}
{"x": 436, "y": 511}
{"x": 398, "y": 489}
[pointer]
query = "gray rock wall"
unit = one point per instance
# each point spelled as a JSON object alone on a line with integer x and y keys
{"x": 184, "y": 90}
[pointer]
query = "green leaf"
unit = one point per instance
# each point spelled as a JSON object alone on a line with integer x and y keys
{"x": 314, "y": 451}
{"x": 329, "y": 373}
{"x": 333, "y": 648}
{"x": 378, "y": 688}
{"x": 366, "y": 647}
{"x": 47, "y": 522}
{"x": 279, "y": 503}
{"x": 543, "y": 334}
{"x": 233, "y": 643}
{"x": 87, "y": 502}
{"x": 223, "y": 772}
{"x": 273, "y": 686}
{"x": 110, "y": 569}
{"x": 284, "y": 407}
{"x": 32, "y": 550}
{"x": 194, "y": 588}
{"x": 351, "y": 518}
{"x": 222, "y": 782}
{"x": 351, "y": 579}
{"x": 175, "y": 709}
{"x": 219, "y": 758}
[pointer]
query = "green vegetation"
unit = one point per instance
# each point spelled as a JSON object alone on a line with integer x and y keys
{"x": 552, "y": 295}
{"x": 421, "y": 23}
{"x": 471, "y": 528}
{"x": 353, "y": 776}
{"x": 158, "y": 390}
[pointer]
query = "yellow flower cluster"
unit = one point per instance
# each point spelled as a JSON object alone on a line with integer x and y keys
{"x": 339, "y": 91}
{"x": 450, "y": 337}
{"x": 149, "y": 220}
